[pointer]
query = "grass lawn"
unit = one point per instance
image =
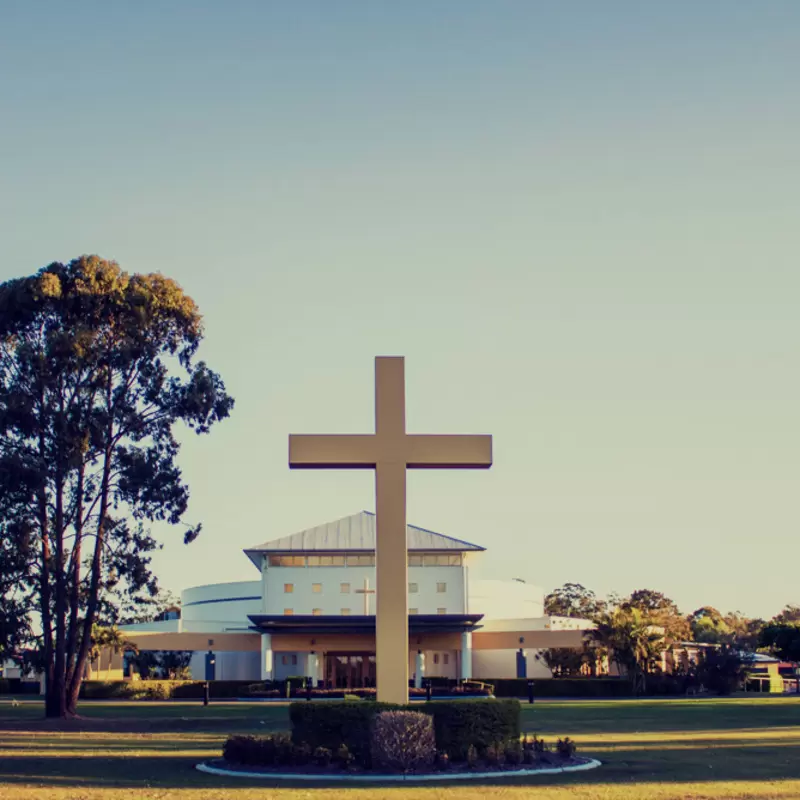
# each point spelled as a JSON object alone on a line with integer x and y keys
{"x": 705, "y": 748}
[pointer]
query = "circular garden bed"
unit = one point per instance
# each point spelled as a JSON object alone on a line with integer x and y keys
{"x": 360, "y": 741}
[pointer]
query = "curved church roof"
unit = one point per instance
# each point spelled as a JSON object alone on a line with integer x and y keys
{"x": 354, "y": 533}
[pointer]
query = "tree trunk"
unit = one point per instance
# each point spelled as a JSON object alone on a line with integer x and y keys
{"x": 72, "y": 638}
{"x": 94, "y": 586}
{"x": 60, "y": 659}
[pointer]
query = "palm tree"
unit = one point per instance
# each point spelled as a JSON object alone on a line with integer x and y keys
{"x": 107, "y": 638}
{"x": 632, "y": 640}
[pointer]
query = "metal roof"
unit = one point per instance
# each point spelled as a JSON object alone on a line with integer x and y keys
{"x": 356, "y": 533}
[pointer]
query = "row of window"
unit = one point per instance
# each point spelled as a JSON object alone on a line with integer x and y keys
{"x": 365, "y": 560}
{"x": 344, "y": 588}
{"x": 345, "y": 612}
{"x": 292, "y": 659}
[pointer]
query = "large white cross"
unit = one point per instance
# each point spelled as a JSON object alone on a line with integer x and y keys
{"x": 390, "y": 451}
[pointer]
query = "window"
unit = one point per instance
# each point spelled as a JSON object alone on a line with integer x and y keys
{"x": 287, "y": 561}
{"x": 435, "y": 658}
{"x": 345, "y": 612}
{"x": 413, "y": 611}
{"x": 413, "y": 588}
{"x": 288, "y": 588}
{"x": 316, "y": 588}
{"x": 288, "y": 612}
{"x": 284, "y": 660}
{"x": 441, "y": 588}
{"x": 435, "y": 560}
{"x": 344, "y": 588}
{"x": 294, "y": 661}
{"x": 326, "y": 561}
{"x": 317, "y": 612}
{"x": 441, "y": 610}
{"x": 446, "y": 658}
{"x": 367, "y": 560}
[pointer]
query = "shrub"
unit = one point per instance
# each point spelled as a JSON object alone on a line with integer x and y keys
{"x": 533, "y": 749}
{"x": 457, "y": 724}
{"x": 344, "y": 757}
{"x": 260, "y": 751}
{"x": 481, "y": 723}
{"x": 495, "y": 756}
{"x": 514, "y": 755}
{"x": 566, "y": 747}
{"x": 332, "y": 725}
{"x": 472, "y": 756}
{"x": 161, "y": 690}
{"x": 323, "y": 756}
{"x": 403, "y": 740}
{"x": 562, "y": 687}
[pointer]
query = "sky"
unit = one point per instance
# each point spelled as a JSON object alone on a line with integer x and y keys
{"x": 577, "y": 221}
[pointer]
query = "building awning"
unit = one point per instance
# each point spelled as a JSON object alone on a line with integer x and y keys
{"x": 310, "y": 624}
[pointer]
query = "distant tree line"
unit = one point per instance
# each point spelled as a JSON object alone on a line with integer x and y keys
{"x": 634, "y": 631}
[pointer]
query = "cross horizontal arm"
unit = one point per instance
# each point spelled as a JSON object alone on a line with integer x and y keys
{"x": 443, "y": 451}
{"x": 320, "y": 451}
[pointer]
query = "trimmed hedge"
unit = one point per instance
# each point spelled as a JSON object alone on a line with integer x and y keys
{"x": 658, "y": 685}
{"x": 161, "y": 690}
{"x": 457, "y": 725}
{"x": 19, "y": 686}
{"x": 562, "y": 687}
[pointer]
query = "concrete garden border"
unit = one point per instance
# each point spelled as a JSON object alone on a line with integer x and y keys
{"x": 432, "y": 777}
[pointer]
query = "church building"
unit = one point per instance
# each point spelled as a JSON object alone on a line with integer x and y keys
{"x": 311, "y": 613}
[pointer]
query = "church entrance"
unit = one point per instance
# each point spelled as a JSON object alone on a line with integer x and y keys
{"x": 350, "y": 670}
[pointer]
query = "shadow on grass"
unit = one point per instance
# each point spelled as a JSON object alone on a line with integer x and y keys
{"x": 167, "y": 771}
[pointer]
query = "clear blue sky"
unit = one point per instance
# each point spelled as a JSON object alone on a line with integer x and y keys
{"x": 578, "y": 222}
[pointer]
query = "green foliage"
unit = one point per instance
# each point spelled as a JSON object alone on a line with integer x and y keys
{"x": 456, "y": 724}
{"x": 660, "y": 611}
{"x": 514, "y": 754}
{"x": 708, "y": 626}
{"x": 783, "y": 640}
{"x": 344, "y": 758}
{"x": 163, "y": 664}
{"x": 109, "y": 638}
{"x": 482, "y": 723}
{"x": 632, "y": 639}
{"x": 566, "y": 747}
{"x": 572, "y": 600}
{"x": 564, "y": 662}
{"x": 562, "y": 687}
{"x": 494, "y": 754}
{"x": 790, "y": 614}
{"x": 262, "y": 751}
{"x": 721, "y": 670}
{"x": 403, "y": 741}
{"x": 97, "y": 367}
{"x": 161, "y": 690}
{"x": 333, "y": 724}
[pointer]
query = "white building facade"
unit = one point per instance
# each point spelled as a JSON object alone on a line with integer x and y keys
{"x": 312, "y": 613}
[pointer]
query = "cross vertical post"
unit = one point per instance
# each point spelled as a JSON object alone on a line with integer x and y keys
{"x": 391, "y": 548}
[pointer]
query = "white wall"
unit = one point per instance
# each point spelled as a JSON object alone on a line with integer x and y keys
{"x": 497, "y": 599}
{"x": 331, "y": 600}
{"x": 219, "y": 607}
{"x": 230, "y": 666}
{"x": 488, "y": 664}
